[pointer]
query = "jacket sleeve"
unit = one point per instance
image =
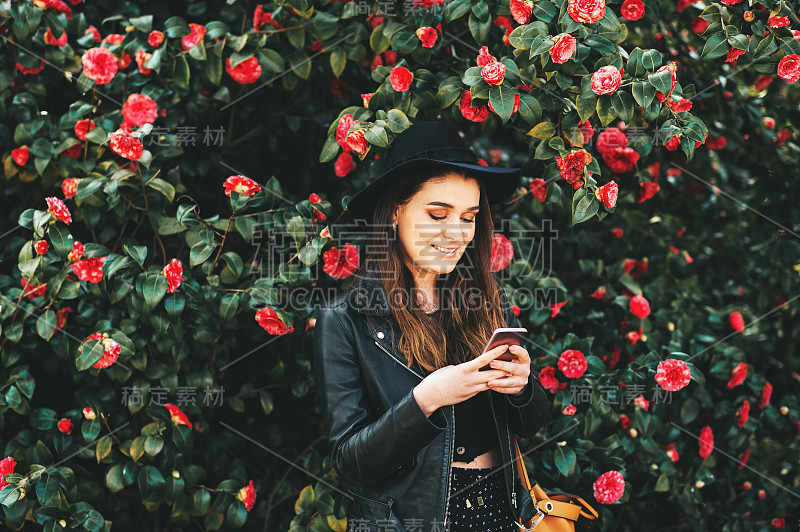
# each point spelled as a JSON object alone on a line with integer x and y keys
{"x": 363, "y": 452}
{"x": 531, "y": 411}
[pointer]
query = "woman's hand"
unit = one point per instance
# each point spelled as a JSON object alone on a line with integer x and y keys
{"x": 517, "y": 372}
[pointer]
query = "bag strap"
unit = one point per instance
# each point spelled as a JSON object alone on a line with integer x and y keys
{"x": 559, "y": 508}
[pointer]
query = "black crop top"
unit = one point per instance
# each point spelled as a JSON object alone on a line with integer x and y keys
{"x": 475, "y": 430}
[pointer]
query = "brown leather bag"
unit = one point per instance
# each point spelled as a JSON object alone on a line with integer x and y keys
{"x": 556, "y": 512}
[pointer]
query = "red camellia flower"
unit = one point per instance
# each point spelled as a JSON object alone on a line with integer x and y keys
{"x": 569, "y": 410}
{"x": 242, "y": 185}
{"x": 141, "y": 58}
{"x": 611, "y": 138}
{"x": 778, "y": 22}
{"x": 344, "y": 164}
{"x": 59, "y": 210}
{"x": 737, "y": 375}
{"x": 521, "y": 10}
{"x": 475, "y": 114}
{"x": 34, "y": 70}
{"x": 766, "y": 393}
{"x": 733, "y": 54}
{"x": 357, "y": 141}
{"x": 607, "y": 194}
{"x": 89, "y": 413}
{"x": 563, "y": 48}
{"x": 77, "y": 252}
{"x": 125, "y": 145}
{"x": 572, "y": 363}
{"x": 502, "y": 252}
{"x": 89, "y": 270}
{"x": 742, "y": 414}
{"x": 671, "y": 452}
{"x": 716, "y": 143}
{"x": 606, "y": 80}
{"x": 20, "y": 155}
{"x": 271, "y": 322}
{"x": 484, "y": 57}
{"x": 789, "y": 68}
{"x": 111, "y": 349}
{"x": 743, "y": 459}
{"x": 736, "y": 321}
{"x": 99, "y": 65}
{"x": 620, "y": 160}
{"x": 260, "y": 18}
{"x": 639, "y": 307}
{"x": 248, "y": 496}
{"x": 61, "y": 317}
{"x": 341, "y": 131}
{"x": 571, "y": 166}
{"x": 246, "y": 72}
{"x": 173, "y": 272}
{"x": 778, "y": 523}
{"x": 505, "y": 23}
{"x": 673, "y": 375}
{"x": 32, "y": 291}
{"x": 65, "y": 426}
{"x": 177, "y": 415}
{"x": 7, "y": 466}
{"x": 427, "y": 36}
{"x": 699, "y": 25}
{"x": 647, "y": 190}
{"x": 95, "y": 33}
{"x": 624, "y": 421}
{"x": 494, "y": 73}
{"x": 366, "y": 97}
{"x": 155, "y": 38}
{"x": 82, "y": 127}
{"x": 70, "y": 187}
{"x": 555, "y": 308}
{"x": 538, "y": 188}
{"x": 50, "y": 39}
{"x": 196, "y": 35}
{"x": 618, "y": 232}
{"x": 341, "y": 263}
{"x": 600, "y": 293}
{"x": 586, "y": 11}
{"x": 609, "y": 487}
{"x": 706, "y": 442}
{"x": 547, "y": 376}
{"x": 140, "y": 109}
{"x": 41, "y": 247}
{"x": 400, "y": 77}
{"x": 632, "y": 10}
{"x": 641, "y": 402}
{"x": 515, "y": 310}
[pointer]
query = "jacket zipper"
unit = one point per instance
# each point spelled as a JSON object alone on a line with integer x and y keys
{"x": 510, "y": 455}
{"x": 450, "y": 456}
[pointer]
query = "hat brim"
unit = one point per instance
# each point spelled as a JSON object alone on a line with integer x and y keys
{"x": 503, "y": 185}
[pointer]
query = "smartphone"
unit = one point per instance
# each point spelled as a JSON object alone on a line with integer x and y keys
{"x": 505, "y": 335}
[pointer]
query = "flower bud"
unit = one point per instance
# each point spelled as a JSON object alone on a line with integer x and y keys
{"x": 749, "y": 16}
{"x": 784, "y": 410}
{"x": 670, "y": 326}
{"x": 699, "y": 484}
{"x": 176, "y": 474}
{"x": 746, "y": 485}
{"x": 633, "y": 432}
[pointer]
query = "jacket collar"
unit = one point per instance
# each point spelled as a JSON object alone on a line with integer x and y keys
{"x": 368, "y": 295}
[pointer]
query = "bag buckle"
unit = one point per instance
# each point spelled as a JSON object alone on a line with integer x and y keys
{"x": 534, "y": 521}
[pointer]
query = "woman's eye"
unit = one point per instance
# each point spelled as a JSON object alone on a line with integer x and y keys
{"x": 472, "y": 221}
{"x": 438, "y": 218}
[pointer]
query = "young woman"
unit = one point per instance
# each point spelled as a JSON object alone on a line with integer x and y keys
{"x": 419, "y": 431}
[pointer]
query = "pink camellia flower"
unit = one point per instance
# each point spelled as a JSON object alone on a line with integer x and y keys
{"x": 41, "y": 247}
{"x": 140, "y": 109}
{"x": 475, "y": 114}
{"x": 155, "y": 38}
{"x": 569, "y": 410}
{"x": 548, "y": 379}
{"x": 673, "y": 375}
{"x": 341, "y": 263}
{"x": 494, "y": 73}
{"x": 632, "y": 9}
{"x": 246, "y": 72}
{"x": 141, "y": 57}
{"x": 671, "y": 452}
{"x": 706, "y": 442}
{"x": 608, "y": 193}
{"x": 639, "y": 307}
{"x": 89, "y": 413}
{"x": 737, "y": 375}
{"x": 586, "y": 11}
{"x": 766, "y": 394}
{"x": 7, "y": 466}
{"x": 196, "y": 36}
{"x": 111, "y": 349}
{"x": 606, "y": 80}
{"x": 65, "y": 426}
{"x": 521, "y": 10}
{"x": 563, "y": 48}
{"x": 611, "y": 138}
{"x": 642, "y": 403}
{"x": 174, "y": 273}
{"x": 271, "y": 322}
{"x": 572, "y": 363}
{"x": 95, "y": 33}
{"x": 248, "y": 496}
{"x": 177, "y": 415}
{"x": 538, "y": 187}
{"x": 555, "y": 308}
{"x": 125, "y": 145}
{"x": 647, "y": 190}
{"x": 366, "y": 97}
{"x": 242, "y": 185}
{"x": 484, "y": 57}
{"x": 400, "y": 77}
{"x": 344, "y": 164}
{"x": 20, "y": 155}
{"x": 314, "y": 198}
{"x": 345, "y": 122}
{"x": 571, "y": 166}
{"x": 427, "y": 36}
{"x": 609, "y": 487}
{"x": 736, "y": 321}
{"x": 89, "y": 270}
{"x": 742, "y": 414}
{"x": 50, "y": 39}
{"x": 357, "y": 141}
{"x": 77, "y": 252}
{"x": 82, "y": 127}
{"x": 99, "y": 65}
{"x": 778, "y": 22}
{"x": 58, "y": 209}
{"x": 621, "y": 160}
{"x": 502, "y": 252}
{"x": 789, "y": 68}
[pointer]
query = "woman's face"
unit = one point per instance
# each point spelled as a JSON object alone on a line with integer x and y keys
{"x": 437, "y": 223}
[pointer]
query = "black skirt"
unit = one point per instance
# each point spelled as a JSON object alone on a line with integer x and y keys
{"x": 479, "y": 502}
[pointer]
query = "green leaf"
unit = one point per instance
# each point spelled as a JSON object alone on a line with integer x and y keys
{"x": 300, "y": 64}
{"x": 634, "y": 66}
{"x": 137, "y": 253}
{"x": 338, "y": 61}
{"x": 137, "y": 448}
{"x": 622, "y": 102}
{"x": 643, "y": 93}
{"x": 236, "y": 515}
{"x": 543, "y": 130}
{"x": 103, "y": 448}
{"x": 162, "y": 186}
{"x": 92, "y": 351}
{"x": 662, "y": 81}
{"x": 584, "y": 205}
{"x": 586, "y": 104}
{"x": 199, "y": 253}
{"x": 378, "y": 41}
{"x": 605, "y": 111}
{"x": 228, "y": 305}
{"x": 46, "y": 324}
{"x": 43, "y": 418}
{"x": 502, "y": 100}
{"x": 180, "y": 73}
{"x": 565, "y": 460}
{"x": 651, "y": 60}
{"x": 716, "y": 46}
{"x": 397, "y": 121}
{"x": 154, "y": 288}
{"x": 529, "y": 109}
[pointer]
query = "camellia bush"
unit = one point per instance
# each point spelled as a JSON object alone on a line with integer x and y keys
{"x": 176, "y": 177}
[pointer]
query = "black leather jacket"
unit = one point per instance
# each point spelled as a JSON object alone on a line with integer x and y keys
{"x": 396, "y": 460}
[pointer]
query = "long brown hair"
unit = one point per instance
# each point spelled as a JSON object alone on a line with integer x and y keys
{"x": 469, "y": 297}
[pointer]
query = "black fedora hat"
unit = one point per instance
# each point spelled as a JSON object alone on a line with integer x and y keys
{"x": 431, "y": 144}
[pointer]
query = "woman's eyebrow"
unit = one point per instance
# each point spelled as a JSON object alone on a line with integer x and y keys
{"x": 443, "y": 204}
